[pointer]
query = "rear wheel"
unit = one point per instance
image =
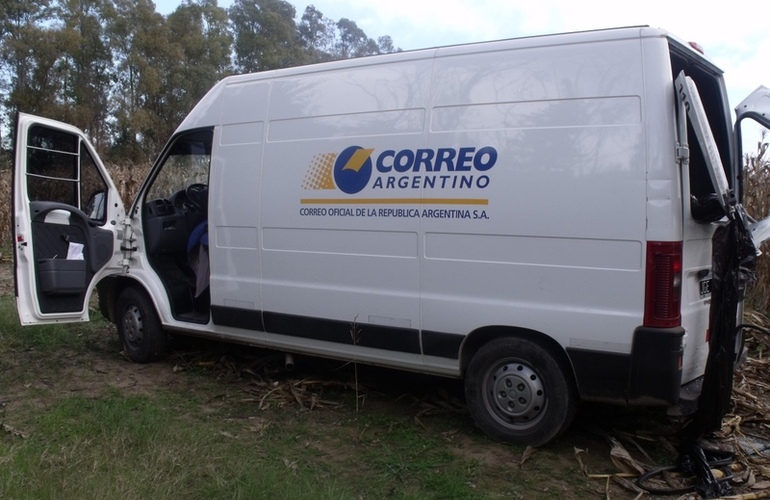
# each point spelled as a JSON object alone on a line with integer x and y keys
{"x": 517, "y": 391}
{"x": 139, "y": 328}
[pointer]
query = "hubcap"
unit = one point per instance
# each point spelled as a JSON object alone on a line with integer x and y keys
{"x": 516, "y": 394}
{"x": 132, "y": 325}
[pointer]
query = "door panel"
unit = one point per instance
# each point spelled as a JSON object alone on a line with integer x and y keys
{"x": 66, "y": 211}
{"x": 68, "y": 252}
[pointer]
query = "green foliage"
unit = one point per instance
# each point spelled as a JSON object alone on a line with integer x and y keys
{"x": 128, "y": 75}
{"x": 77, "y": 420}
{"x": 265, "y": 35}
{"x": 44, "y": 338}
{"x": 144, "y": 57}
{"x": 20, "y": 35}
{"x": 85, "y": 67}
{"x": 84, "y": 423}
{"x": 118, "y": 446}
{"x": 317, "y": 34}
{"x": 353, "y": 42}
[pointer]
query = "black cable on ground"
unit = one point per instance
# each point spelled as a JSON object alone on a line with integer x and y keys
{"x": 715, "y": 462}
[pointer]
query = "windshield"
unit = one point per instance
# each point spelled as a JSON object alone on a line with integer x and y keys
{"x": 187, "y": 162}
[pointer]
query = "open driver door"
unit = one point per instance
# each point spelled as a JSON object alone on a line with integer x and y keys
{"x": 68, "y": 221}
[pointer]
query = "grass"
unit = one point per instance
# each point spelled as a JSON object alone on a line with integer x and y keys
{"x": 47, "y": 338}
{"x": 137, "y": 447}
{"x": 79, "y": 421}
{"x": 159, "y": 445}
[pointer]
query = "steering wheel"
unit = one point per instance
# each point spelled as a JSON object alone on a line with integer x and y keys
{"x": 197, "y": 197}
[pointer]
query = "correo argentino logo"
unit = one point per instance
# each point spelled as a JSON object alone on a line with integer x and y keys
{"x": 447, "y": 168}
{"x": 349, "y": 171}
{"x": 353, "y": 169}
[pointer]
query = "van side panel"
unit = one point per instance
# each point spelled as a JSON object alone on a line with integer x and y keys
{"x": 664, "y": 190}
{"x": 329, "y": 254}
{"x": 235, "y": 191}
{"x": 560, "y": 250}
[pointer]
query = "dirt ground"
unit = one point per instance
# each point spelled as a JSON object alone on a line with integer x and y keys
{"x": 606, "y": 448}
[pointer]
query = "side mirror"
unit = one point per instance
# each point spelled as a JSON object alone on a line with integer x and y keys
{"x": 96, "y": 208}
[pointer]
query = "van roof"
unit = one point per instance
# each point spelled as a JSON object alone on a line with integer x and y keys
{"x": 195, "y": 118}
{"x": 486, "y": 46}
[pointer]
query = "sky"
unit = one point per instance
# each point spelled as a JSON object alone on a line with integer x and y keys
{"x": 735, "y": 34}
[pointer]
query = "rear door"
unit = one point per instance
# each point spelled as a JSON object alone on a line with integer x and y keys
{"x": 756, "y": 107}
{"x": 67, "y": 219}
{"x": 707, "y": 197}
{"x": 692, "y": 105}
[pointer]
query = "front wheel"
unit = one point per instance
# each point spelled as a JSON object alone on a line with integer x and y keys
{"x": 139, "y": 328}
{"x": 517, "y": 391}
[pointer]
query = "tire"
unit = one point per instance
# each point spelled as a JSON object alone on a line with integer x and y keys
{"x": 139, "y": 328}
{"x": 518, "y": 392}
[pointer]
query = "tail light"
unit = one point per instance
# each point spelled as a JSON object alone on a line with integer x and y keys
{"x": 663, "y": 288}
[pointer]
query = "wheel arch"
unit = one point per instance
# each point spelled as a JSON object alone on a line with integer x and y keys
{"x": 110, "y": 288}
{"x": 519, "y": 385}
{"x": 139, "y": 328}
{"x": 481, "y": 336}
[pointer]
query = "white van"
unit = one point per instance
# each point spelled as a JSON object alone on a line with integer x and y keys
{"x": 521, "y": 213}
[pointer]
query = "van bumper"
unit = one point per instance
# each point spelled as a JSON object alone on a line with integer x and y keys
{"x": 650, "y": 375}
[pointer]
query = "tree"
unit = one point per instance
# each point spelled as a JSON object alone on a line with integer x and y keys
{"x": 37, "y": 80}
{"x": 325, "y": 39}
{"x": 353, "y": 42}
{"x": 24, "y": 69}
{"x": 85, "y": 67}
{"x": 200, "y": 29}
{"x": 317, "y": 34}
{"x": 142, "y": 54}
{"x": 385, "y": 44}
{"x": 128, "y": 75}
{"x": 265, "y": 35}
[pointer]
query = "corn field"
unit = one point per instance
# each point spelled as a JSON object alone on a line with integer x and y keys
{"x": 757, "y": 202}
{"x": 127, "y": 178}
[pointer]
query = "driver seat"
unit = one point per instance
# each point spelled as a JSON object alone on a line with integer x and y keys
{"x": 198, "y": 256}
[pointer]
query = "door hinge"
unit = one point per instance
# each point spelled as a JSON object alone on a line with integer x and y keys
{"x": 127, "y": 244}
{"x": 683, "y": 153}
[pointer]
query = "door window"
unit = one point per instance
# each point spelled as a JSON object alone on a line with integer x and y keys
{"x": 61, "y": 169}
{"x": 187, "y": 163}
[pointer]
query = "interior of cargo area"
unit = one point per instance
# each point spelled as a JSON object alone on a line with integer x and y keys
{"x": 704, "y": 202}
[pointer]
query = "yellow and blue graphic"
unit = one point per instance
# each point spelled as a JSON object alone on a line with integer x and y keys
{"x": 319, "y": 174}
{"x": 351, "y": 170}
